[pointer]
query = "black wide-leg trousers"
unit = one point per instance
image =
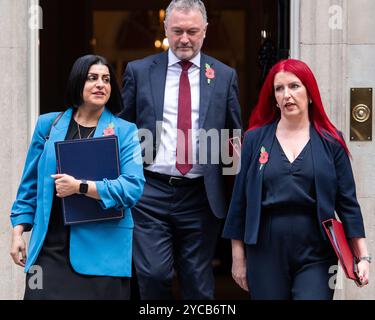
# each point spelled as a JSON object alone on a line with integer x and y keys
{"x": 291, "y": 260}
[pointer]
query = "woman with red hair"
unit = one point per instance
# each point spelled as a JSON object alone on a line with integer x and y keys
{"x": 295, "y": 174}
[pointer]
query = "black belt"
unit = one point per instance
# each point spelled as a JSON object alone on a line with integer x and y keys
{"x": 173, "y": 180}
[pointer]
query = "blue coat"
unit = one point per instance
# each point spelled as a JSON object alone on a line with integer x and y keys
{"x": 219, "y": 108}
{"x": 334, "y": 184}
{"x": 99, "y": 248}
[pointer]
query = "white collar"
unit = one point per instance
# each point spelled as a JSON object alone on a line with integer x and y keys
{"x": 172, "y": 59}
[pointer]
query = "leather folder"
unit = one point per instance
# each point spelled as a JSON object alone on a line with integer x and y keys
{"x": 90, "y": 159}
{"x": 336, "y": 235}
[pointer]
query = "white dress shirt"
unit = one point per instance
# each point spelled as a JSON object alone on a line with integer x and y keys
{"x": 165, "y": 160}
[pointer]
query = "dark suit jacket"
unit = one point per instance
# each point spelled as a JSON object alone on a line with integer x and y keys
{"x": 143, "y": 96}
{"x": 334, "y": 184}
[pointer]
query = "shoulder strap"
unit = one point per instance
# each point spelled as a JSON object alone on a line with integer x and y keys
{"x": 54, "y": 123}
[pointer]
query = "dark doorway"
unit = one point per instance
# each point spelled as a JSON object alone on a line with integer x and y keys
{"x": 66, "y": 34}
{"x": 248, "y": 35}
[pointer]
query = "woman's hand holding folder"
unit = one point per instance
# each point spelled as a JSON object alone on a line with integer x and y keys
{"x": 352, "y": 254}
{"x": 359, "y": 248}
{"x": 67, "y": 185}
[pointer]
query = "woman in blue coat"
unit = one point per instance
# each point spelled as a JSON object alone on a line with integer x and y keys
{"x": 295, "y": 173}
{"x": 88, "y": 260}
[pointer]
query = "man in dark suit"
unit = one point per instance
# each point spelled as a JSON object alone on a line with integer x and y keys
{"x": 177, "y": 96}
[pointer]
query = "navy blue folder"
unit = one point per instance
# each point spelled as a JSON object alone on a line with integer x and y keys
{"x": 90, "y": 159}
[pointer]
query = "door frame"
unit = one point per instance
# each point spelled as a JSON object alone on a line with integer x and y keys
{"x": 34, "y": 23}
{"x": 295, "y": 6}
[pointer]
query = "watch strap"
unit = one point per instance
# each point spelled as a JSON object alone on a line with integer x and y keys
{"x": 83, "y": 187}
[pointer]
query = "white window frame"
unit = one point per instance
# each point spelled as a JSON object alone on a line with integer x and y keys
{"x": 295, "y": 6}
{"x": 33, "y": 70}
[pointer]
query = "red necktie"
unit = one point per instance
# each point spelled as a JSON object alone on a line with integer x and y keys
{"x": 184, "y": 143}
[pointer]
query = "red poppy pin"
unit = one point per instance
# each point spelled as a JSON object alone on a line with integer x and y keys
{"x": 263, "y": 159}
{"x": 210, "y": 73}
{"x": 110, "y": 130}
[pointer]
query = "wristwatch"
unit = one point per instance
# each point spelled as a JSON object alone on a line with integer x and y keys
{"x": 83, "y": 187}
{"x": 367, "y": 258}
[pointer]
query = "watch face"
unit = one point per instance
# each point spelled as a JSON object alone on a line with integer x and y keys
{"x": 83, "y": 187}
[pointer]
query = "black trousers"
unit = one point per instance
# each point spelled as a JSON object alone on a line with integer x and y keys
{"x": 291, "y": 260}
{"x": 175, "y": 230}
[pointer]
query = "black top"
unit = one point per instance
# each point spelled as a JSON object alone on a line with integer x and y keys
{"x": 84, "y": 132}
{"x": 287, "y": 184}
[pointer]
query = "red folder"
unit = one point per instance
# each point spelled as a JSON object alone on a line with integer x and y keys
{"x": 336, "y": 235}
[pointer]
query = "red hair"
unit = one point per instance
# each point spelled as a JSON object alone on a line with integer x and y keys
{"x": 266, "y": 111}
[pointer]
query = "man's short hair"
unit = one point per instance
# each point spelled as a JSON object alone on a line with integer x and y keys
{"x": 185, "y": 5}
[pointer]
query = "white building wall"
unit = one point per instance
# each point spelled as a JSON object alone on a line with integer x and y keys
{"x": 337, "y": 40}
{"x": 14, "y": 129}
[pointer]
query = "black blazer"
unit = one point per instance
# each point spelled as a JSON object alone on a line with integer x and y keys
{"x": 219, "y": 108}
{"x": 334, "y": 184}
